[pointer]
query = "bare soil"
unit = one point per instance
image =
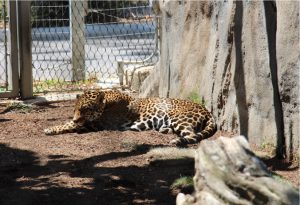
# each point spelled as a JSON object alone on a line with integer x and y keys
{"x": 108, "y": 167}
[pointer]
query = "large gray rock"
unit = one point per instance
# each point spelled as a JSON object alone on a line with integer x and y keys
{"x": 234, "y": 57}
{"x": 287, "y": 47}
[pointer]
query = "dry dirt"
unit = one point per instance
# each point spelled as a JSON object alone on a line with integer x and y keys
{"x": 108, "y": 167}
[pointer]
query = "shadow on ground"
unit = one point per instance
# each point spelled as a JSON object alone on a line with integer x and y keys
{"x": 25, "y": 179}
{"x": 275, "y": 164}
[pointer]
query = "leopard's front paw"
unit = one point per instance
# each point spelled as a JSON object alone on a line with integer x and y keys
{"x": 49, "y": 131}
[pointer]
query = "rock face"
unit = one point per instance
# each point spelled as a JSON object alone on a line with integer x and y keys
{"x": 227, "y": 172}
{"x": 241, "y": 57}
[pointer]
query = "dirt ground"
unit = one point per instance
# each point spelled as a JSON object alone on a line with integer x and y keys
{"x": 108, "y": 167}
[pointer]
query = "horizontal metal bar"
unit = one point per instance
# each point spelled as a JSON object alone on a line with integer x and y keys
{"x": 124, "y": 35}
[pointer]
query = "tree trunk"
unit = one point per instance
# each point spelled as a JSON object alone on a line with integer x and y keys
{"x": 227, "y": 172}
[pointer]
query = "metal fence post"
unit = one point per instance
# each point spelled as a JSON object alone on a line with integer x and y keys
{"x": 77, "y": 38}
{"x": 25, "y": 55}
{"x": 13, "y": 49}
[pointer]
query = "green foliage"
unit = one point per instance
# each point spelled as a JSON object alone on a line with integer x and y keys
{"x": 268, "y": 147}
{"x": 183, "y": 182}
{"x": 195, "y": 98}
{"x": 3, "y": 9}
{"x": 48, "y": 85}
{"x": 2, "y": 89}
{"x": 3, "y": 13}
{"x": 18, "y": 106}
{"x": 54, "y": 84}
{"x": 129, "y": 145}
{"x": 132, "y": 146}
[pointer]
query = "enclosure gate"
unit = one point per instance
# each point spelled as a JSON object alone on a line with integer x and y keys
{"x": 82, "y": 44}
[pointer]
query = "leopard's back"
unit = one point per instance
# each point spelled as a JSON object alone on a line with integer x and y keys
{"x": 115, "y": 96}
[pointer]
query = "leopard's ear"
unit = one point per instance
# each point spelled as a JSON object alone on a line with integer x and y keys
{"x": 78, "y": 96}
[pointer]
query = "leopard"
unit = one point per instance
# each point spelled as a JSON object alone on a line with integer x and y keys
{"x": 97, "y": 110}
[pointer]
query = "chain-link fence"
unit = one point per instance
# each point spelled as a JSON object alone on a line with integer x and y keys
{"x": 4, "y": 72}
{"x": 79, "y": 44}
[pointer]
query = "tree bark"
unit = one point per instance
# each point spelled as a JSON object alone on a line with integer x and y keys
{"x": 227, "y": 172}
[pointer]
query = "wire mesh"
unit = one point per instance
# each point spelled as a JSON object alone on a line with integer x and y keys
{"x": 77, "y": 44}
{"x": 4, "y": 81}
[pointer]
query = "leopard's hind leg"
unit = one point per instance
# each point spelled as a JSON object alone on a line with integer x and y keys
{"x": 184, "y": 130}
{"x": 187, "y": 132}
{"x": 186, "y": 135}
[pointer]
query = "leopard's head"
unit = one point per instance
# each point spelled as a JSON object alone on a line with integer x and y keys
{"x": 89, "y": 106}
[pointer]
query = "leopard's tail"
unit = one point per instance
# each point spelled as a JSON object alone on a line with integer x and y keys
{"x": 209, "y": 128}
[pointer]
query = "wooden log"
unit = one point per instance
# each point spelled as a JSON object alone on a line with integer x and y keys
{"x": 228, "y": 172}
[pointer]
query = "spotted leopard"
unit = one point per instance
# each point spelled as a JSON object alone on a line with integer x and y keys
{"x": 98, "y": 110}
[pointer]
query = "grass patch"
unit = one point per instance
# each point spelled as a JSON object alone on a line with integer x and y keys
{"x": 195, "y": 98}
{"x": 295, "y": 157}
{"x": 132, "y": 146}
{"x": 3, "y": 89}
{"x": 269, "y": 148}
{"x": 183, "y": 183}
{"x": 129, "y": 145}
{"x": 18, "y": 107}
{"x": 55, "y": 84}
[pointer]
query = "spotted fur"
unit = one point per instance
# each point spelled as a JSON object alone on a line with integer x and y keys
{"x": 190, "y": 121}
{"x": 98, "y": 110}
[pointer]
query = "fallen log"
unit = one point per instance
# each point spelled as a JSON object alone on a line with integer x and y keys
{"x": 227, "y": 172}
